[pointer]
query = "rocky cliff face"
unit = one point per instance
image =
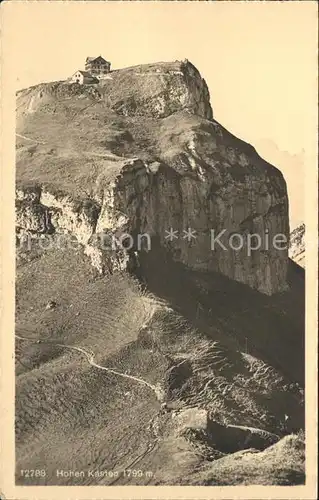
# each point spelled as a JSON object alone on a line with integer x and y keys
{"x": 138, "y": 161}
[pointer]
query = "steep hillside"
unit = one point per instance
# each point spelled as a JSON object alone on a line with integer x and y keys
{"x": 228, "y": 383}
{"x": 170, "y": 358}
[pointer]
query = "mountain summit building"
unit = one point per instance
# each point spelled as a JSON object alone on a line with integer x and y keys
{"x": 96, "y": 68}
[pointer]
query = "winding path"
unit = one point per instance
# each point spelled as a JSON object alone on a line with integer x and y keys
{"x": 105, "y": 155}
{"x": 90, "y": 358}
{"x": 29, "y": 139}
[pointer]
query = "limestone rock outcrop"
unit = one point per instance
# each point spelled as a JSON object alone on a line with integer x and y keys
{"x": 147, "y": 164}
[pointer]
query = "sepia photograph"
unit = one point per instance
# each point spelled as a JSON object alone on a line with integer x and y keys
{"x": 164, "y": 171}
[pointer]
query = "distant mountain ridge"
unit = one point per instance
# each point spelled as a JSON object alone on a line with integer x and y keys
{"x": 297, "y": 245}
{"x": 293, "y": 168}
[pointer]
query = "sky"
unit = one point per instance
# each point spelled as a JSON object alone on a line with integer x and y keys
{"x": 259, "y": 60}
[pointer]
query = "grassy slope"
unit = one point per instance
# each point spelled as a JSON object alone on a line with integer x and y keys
{"x": 88, "y": 156}
{"x": 70, "y": 414}
{"x": 280, "y": 464}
